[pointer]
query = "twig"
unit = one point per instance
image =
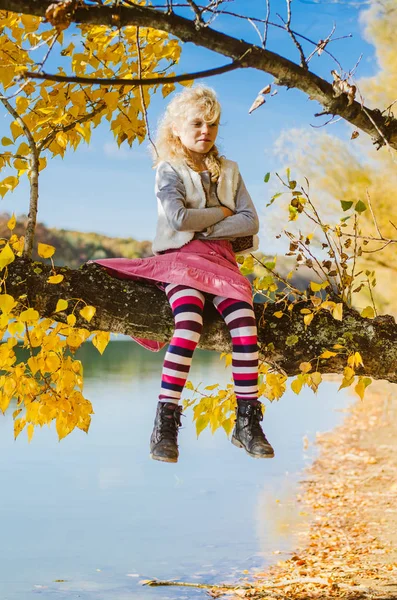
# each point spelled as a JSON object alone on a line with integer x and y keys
{"x": 373, "y": 214}
{"x": 206, "y": 586}
{"x": 48, "y": 139}
{"x": 389, "y": 107}
{"x": 381, "y": 133}
{"x": 266, "y": 28}
{"x": 33, "y": 179}
{"x": 144, "y": 109}
{"x": 134, "y": 81}
{"x": 354, "y": 260}
{"x": 256, "y": 29}
{"x": 287, "y": 23}
{"x": 199, "y": 19}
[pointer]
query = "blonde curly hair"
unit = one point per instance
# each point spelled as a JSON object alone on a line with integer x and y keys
{"x": 168, "y": 145}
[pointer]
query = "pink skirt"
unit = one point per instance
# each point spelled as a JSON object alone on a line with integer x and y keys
{"x": 208, "y": 266}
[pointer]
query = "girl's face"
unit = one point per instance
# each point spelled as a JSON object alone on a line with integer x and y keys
{"x": 196, "y": 134}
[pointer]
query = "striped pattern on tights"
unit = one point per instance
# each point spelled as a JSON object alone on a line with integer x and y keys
{"x": 187, "y": 306}
{"x": 240, "y": 320}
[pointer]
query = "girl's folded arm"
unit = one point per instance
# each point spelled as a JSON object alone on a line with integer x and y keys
{"x": 244, "y": 222}
{"x": 171, "y": 193}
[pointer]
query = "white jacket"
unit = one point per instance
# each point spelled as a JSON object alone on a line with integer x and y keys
{"x": 195, "y": 197}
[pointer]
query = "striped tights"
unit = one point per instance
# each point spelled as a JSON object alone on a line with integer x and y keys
{"x": 187, "y": 306}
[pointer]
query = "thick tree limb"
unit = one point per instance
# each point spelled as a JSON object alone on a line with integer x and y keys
{"x": 141, "y": 309}
{"x": 286, "y": 73}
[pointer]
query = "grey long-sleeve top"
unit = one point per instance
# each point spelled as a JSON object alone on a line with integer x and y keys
{"x": 209, "y": 222}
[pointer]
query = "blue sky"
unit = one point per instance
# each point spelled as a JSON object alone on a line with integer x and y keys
{"x": 101, "y": 188}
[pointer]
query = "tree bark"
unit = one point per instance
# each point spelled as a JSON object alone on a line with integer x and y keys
{"x": 140, "y": 309}
{"x": 285, "y": 72}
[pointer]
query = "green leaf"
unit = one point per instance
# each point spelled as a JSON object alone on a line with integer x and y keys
{"x": 273, "y": 198}
{"x": 266, "y": 178}
{"x": 291, "y": 340}
{"x": 346, "y": 204}
{"x": 360, "y": 207}
{"x": 269, "y": 265}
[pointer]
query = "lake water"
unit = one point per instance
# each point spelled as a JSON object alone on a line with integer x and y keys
{"x": 95, "y": 512}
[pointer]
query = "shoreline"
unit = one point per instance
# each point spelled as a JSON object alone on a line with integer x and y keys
{"x": 349, "y": 549}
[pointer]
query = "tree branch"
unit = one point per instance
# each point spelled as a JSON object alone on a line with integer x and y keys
{"x": 122, "y": 307}
{"x": 135, "y": 81}
{"x": 33, "y": 179}
{"x": 285, "y": 71}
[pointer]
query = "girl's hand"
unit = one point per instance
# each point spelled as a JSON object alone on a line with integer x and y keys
{"x": 227, "y": 212}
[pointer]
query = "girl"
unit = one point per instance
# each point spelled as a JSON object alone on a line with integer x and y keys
{"x": 203, "y": 206}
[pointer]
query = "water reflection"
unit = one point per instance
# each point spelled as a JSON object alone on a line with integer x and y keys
{"x": 95, "y": 511}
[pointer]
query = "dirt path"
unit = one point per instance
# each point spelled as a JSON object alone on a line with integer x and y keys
{"x": 350, "y": 550}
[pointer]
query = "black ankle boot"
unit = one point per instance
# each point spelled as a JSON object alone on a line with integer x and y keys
{"x": 248, "y": 433}
{"x": 163, "y": 441}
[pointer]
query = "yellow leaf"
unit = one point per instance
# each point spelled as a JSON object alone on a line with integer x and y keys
{"x": 307, "y": 319}
{"x": 29, "y": 315}
{"x": 360, "y": 388}
{"x": 33, "y": 364}
{"x": 30, "y": 430}
{"x": 202, "y": 423}
{"x": 4, "y": 402}
{"x": 101, "y": 340}
{"x": 316, "y": 378}
{"x": 328, "y": 354}
{"x": 71, "y": 320}
{"x": 12, "y": 222}
{"x": 6, "y": 141}
{"x": 62, "y": 305}
{"x": 228, "y": 425}
{"x": 316, "y": 287}
{"x": 278, "y": 314}
{"x": 305, "y": 367}
{"x": 45, "y": 250}
{"x": 296, "y": 385}
{"x": 7, "y": 303}
{"x": 189, "y": 386}
{"x": 19, "y": 424}
{"x": 55, "y": 279}
{"x": 22, "y": 103}
{"x": 212, "y": 387}
{"x": 348, "y": 373}
{"x": 328, "y": 305}
{"x": 358, "y": 359}
{"x": 16, "y": 328}
{"x": 62, "y": 139}
{"x": 6, "y": 256}
{"x": 88, "y": 312}
{"x": 337, "y": 312}
{"x": 52, "y": 362}
{"x": 368, "y": 312}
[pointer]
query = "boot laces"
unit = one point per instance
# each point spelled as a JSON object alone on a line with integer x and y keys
{"x": 254, "y": 417}
{"x": 170, "y": 422}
